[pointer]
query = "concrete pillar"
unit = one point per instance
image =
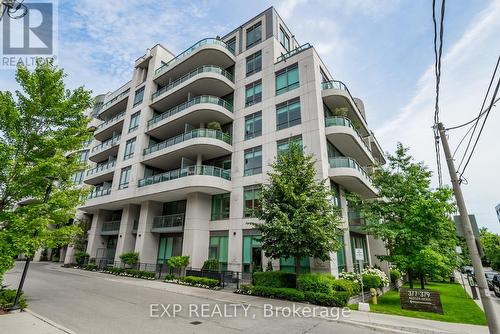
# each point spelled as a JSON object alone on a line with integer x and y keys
{"x": 126, "y": 240}
{"x": 147, "y": 242}
{"x": 377, "y": 247}
{"x": 196, "y": 228}
{"x": 235, "y": 250}
{"x": 95, "y": 239}
{"x": 69, "y": 257}
{"x": 62, "y": 253}
{"x": 199, "y": 159}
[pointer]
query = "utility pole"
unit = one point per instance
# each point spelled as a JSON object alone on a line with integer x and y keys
{"x": 484, "y": 292}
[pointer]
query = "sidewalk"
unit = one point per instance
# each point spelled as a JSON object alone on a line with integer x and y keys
{"x": 28, "y": 323}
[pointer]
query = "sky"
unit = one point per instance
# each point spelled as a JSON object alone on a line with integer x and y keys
{"x": 382, "y": 49}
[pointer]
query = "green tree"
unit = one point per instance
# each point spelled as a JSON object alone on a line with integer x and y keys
{"x": 415, "y": 226}
{"x": 39, "y": 125}
{"x": 299, "y": 218}
{"x": 490, "y": 242}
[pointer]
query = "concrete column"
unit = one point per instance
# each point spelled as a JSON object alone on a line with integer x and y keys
{"x": 62, "y": 253}
{"x": 147, "y": 243}
{"x": 95, "y": 239}
{"x": 69, "y": 258}
{"x": 348, "y": 252}
{"x": 199, "y": 159}
{"x": 235, "y": 250}
{"x": 377, "y": 247}
{"x": 196, "y": 229}
{"x": 126, "y": 240}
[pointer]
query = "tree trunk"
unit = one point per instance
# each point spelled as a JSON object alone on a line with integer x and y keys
{"x": 422, "y": 283}
{"x": 410, "y": 279}
{"x": 297, "y": 266}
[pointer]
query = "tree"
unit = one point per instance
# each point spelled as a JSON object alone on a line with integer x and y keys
{"x": 299, "y": 218}
{"x": 178, "y": 262}
{"x": 412, "y": 219}
{"x": 39, "y": 125}
{"x": 490, "y": 242}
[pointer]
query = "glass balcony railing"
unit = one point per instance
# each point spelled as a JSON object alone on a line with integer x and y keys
{"x": 197, "y": 133}
{"x": 344, "y": 121}
{"x": 100, "y": 168}
{"x": 334, "y": 84}
{"x": 168, "y": 221}
{"x": 344, "y": 162}
{"x": 108, "y": 143}
{"x": 99, "y": 192}
{"x": 111, "y": 226}
{"x": 293, "y": 52}
{"x": 186, "y": 171}
{"x": 110, "y": 121}
{"x": 114, "y": 99}
{"x": 196, "y": 100}
{"x": 191, "y": 49}
{"x": 193, "y": 73}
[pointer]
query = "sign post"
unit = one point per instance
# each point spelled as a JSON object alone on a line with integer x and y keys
{"x": 359, "y": 256}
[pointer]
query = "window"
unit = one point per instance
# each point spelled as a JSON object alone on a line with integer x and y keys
{"x": 341, "y": 262}
{"x": 139, "y": 96}
{"x": 134, "y": 121}
{"x": 287, "y": 79}
{"x": 335, "y": 194}
{"x": 288, "y": 264}
{"x": 359, "y": 241}
{"x": 82, "y": 156}
{"x": 220, "y": 206}
{"x": 288, "y": 114}
{"x": 78, "y": 177}
{"x": 254, "y": 63}
{"x": 253, "y": 161}
{"x": 129, "y": 149}
{"x": 253, "y": 93}
{"x": 124, "y": 177}
{"x": 285, "y": 143}
{"x": 254, "y": 34}
{"x": 253, "y": 125}
{"x": 218, "y": 250}
{"x": 251, "y": 195}
{"x": 168, "y": 247}
{"x": 284, "y": 39}
{"x": 231, "y": 44}
{"x": 252, "y": 253}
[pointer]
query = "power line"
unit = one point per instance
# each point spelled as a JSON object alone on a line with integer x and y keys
{"x": 472, "y": 120}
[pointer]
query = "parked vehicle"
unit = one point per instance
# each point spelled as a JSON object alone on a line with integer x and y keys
{"x": 468, "y": 270}
{"x": 496, "y": 285}
{"x": 489, "y": 278}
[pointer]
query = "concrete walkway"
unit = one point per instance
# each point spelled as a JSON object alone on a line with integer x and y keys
{"x": 28, "y": 323}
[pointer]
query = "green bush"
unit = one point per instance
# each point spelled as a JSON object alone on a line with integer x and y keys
{"x": 211, "y": 265}
{"x": 335, "y": 299}
{"x": 7, "y": 298}
{"x": 116, "y": 271}
{"x": 130, "y": 258}
{"x": 90, "y": 267}
{"x": 139, "y": 273}
{"x": 80, "y": 257}
{"x": 178, "y": 262}
{"x": 169, "y": 277}
{"x": 371, "y": 281}
{"x": 346, "y": 285}
{"x": 315, "y": 282}
{"x": 194, "y": 280}
{"x": 275, "y": 279}
{"x": 281, "y": 293}
{"x": 395, "y": 275}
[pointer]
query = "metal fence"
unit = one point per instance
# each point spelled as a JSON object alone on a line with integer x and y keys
{"x": 226, "y": 278}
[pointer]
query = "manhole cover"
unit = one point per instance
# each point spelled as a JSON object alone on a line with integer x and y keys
{"x": 195, "y": 322}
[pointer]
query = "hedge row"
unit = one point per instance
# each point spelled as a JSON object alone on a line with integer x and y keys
{"x": 275, "y": 279}
{"x": 7, "y": 298}
{"x": 123, "y": 272}
{"x": 327, "y": 284}
{"x": 199, "y": 281}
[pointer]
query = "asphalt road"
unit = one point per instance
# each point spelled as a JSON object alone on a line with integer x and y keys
{"x": 87, "y": 302}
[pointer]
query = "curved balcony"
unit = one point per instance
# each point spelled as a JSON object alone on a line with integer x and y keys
{"x": 100, "y": 173}
{"x": 105, "y": 149}
{"x": 343, "y": 133}
{"x": 115, "y": 104}
{"x": 336, "y": 95}
{"x": 207, "y": 51}
{"x": 105, "y": 129}
{"x": 201, "y": 109}
{"x": 99, "y": 193}
{"x": 348, "y": 173}
{"x": 211, "y": 143}
{"x": 209, "y": 79}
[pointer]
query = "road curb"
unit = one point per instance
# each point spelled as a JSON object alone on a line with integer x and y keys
{"x": 50, "y": 322}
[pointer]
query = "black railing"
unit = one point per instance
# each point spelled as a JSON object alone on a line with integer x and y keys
{"x": 225, "y": 277}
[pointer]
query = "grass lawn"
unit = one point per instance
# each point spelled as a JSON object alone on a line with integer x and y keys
{"x": 457, "y": 307}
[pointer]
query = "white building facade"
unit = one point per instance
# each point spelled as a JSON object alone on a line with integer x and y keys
{"x": 181, "y": 149}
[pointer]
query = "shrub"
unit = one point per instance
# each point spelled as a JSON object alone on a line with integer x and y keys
{"x": 90, "y": 267}
{"x": 130, "y": 258}
{"x": 80, "y": 258}
{"x": 7, "y": 298}
{"x": 335, "y": 299}
{"x": 395, "y": 275}
{"x": 211, "y": 265}
{"x": 269, "y": 266}
{"x": 343, "y": 284}
{"x": 169, "y": 277}
{"x": 275, "y": 279}
{"x": 116, "y": 271}
{"x": 353, "y": 277}
{"x": 176, "y": 262}
{"x": 371, "y": 281}
{"x": 139, "y": 273}
{"x": 315, "y": 282}
{"x": 193, "y": 280}
{"x": 55, "y": 258}
{"x": 281, "y": 293}
{"x": 384, "y": 280}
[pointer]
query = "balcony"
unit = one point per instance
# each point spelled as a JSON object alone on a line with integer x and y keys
{"x": 207, "y": 51}
{"x": 208, "y": 79}
{"x": 336, "y": 95}
{"x": 110, "y": 227}
{"x": 168, "y": 223}
{"x": 211, "y": 143}
{"x": 201, "y": 109}
{"x": 100, "y": 173}
{"x": 291, "y": 53}
{"x": 99, "y": 193}
{"x": 105, "y": 129}
{"x": 348, "y": 173}
{"x": 115, "y": 102}
{"x": 105, "y": 149}
{"x": 342, "y": 132}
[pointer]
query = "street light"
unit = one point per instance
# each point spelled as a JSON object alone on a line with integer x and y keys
{"x": 11, "y": 7}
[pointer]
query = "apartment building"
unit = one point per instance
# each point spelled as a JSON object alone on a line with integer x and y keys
{"x": 180, "y": 151}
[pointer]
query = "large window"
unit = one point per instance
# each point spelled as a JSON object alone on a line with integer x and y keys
{"x": 288, "y": 114}
{"x": 287, "y": 79}
{"x": 139, "y": 96}
{"x": 251, "y": 195}
{"x": 134, "y": 121}
{"x": 253, "y": 125}
{"x": 220, "y": 206}
{"x": 341, "y": 261}
{"x": 218, "y": 250}
{"x": 124, "y": 177}
{"x": 359, "y": 241}
{"x": 78, "y": 177}
{"x": 284, "y": 39}
{"x": 288, "y": 264}
{"x": 252, "y": 253}
{"x": 254, "y": 63}
{"x": 282, "y": 145}
{"x": 129, "y": 149}
{"x": 254, "y": 34}
{"x": 253, "y": 161}
{"x": 231, "y": 44}
{"x": 335, "y": 194}
{"x": 168, "y": 247}
{"x": 253, "y": 93}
